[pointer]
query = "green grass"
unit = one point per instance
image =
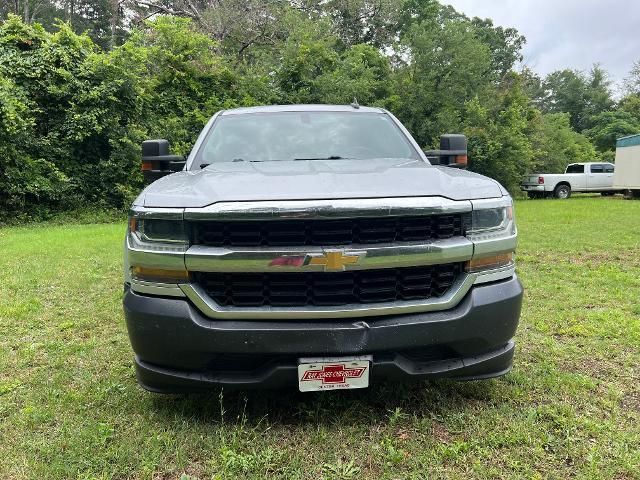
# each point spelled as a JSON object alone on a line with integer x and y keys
{"x": 70, "y": 407}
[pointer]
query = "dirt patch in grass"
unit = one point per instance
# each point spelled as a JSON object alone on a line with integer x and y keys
{"x": 440, "y": 433}
{"x": 631, "y": 402}
{"x": 624, "y": 258}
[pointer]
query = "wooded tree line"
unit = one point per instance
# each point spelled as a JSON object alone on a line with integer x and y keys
{"x": 83, "y": 82}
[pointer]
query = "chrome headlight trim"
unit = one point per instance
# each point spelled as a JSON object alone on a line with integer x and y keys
{"x": 157, "y": 212}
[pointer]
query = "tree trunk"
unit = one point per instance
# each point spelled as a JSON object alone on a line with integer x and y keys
{"x": 26, "y": 11}
{"x": 115, "y": 13}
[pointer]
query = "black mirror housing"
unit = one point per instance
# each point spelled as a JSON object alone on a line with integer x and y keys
{"x": 452, "y": 153}
{"x": 157, "y": 160}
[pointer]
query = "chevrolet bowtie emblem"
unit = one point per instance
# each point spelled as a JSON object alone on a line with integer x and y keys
{"x": 333, "y": 261}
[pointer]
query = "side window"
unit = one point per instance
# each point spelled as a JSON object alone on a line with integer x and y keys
{"x": 609, "y": 168}
{"x": 597, "y": 168}
{"x": 575, "y": 168}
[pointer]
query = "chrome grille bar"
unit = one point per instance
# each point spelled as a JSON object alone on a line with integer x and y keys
{"x": 328, "y": 209}
{"x": 208, "y": 259}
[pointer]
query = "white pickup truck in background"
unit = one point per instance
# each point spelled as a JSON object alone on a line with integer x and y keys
{"x": 578, "y": 177}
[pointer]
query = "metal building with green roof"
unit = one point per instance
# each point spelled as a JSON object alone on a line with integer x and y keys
{"x": 630, "y": 141}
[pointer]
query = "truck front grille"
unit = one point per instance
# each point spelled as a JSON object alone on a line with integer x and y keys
{"x": 329, "y": 289}
{"x": 352, "y": 231}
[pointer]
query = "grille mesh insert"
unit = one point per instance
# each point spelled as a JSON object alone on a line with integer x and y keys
{"x": 352, "y": 231}
{"x": 328, "y": 289}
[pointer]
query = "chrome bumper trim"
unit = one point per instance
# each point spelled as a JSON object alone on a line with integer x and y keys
{"x": 327, "y": 209}
{"x": 161, "y": 289}
{"x": 485, "y": 247}
{"x": 210, "y": 259}
{"x": 496, "y": 274}
{"x": 155, "y": 256}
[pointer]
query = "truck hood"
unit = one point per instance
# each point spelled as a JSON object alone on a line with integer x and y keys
{"x": 315, "y": 180}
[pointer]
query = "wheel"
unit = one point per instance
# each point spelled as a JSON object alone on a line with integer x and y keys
{"x": 562, "y": 192}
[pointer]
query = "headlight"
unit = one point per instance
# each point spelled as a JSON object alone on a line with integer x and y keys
{"x": 156, "y": 242}
{"x": 492, "y": 219}
{"x": 157, "y": 230}
{"x": 493, "y": 233}
{"x": 157, "y": 227}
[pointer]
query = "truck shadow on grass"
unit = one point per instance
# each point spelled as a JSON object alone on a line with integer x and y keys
{"x": 353, "y": 407}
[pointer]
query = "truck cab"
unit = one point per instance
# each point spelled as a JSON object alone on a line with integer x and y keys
{"x": 317, "y": 247}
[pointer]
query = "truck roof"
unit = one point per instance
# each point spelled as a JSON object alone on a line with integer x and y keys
{"x": 302, "y": 108}
{"x": 589, "y": 163}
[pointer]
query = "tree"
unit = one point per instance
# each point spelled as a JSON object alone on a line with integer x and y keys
{"x": 632, "y": 81}
{"x": 27, "y": 179}
{"x": 609, "y": 126}
{"x": 533, "y": 87}
{"x": 374, "y": 22}
{"x": 631, "y": 105}
{"x": 362, "y": 72}
{"x": 505, "y": 44}
{"x": 28, "y": 10}
{"x": 308, "y": 54}
{"x": 445, "y": 65}
{"x": 582, "y": 96}
{"x": 498, "y": 129}
{"x": 556, "y": 144}
{"x": 598, "y": 94}
{"x": 82, "y": 104}
{"x": 97, "y": 17}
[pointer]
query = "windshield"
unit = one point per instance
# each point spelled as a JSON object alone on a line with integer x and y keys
{"x": 282, "y": 136}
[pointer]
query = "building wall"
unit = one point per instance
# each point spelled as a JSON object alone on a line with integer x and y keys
{"x": 627, "y": 174}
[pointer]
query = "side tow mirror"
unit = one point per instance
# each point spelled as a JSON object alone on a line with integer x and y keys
{"x": 452, "y": 153}
{"x": 157, "y": 161}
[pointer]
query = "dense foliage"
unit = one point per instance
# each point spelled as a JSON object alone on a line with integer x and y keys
{"x": 74, "y": 107}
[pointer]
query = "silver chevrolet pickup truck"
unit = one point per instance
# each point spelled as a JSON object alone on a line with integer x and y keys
{"x": 317, "y": 247}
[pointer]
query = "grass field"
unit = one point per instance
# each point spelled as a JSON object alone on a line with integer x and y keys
{"x": 70, "y": 406}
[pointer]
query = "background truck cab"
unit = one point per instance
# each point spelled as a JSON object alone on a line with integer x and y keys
{"x": 578, "y": 177}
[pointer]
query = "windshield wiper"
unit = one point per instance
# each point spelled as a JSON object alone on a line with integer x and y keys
{"x": 235, "y": 160}
{"x": 331, "y": 157}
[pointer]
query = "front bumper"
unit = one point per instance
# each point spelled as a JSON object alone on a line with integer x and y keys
{"x": 178, "y": 349}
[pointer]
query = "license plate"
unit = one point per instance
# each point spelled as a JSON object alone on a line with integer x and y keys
{"x": 315, "y": 374}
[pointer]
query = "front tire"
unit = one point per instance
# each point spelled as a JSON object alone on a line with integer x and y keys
{"x": 562, "y": 192}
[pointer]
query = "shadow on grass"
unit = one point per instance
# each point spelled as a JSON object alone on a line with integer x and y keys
{"x": 355, "y": 407}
